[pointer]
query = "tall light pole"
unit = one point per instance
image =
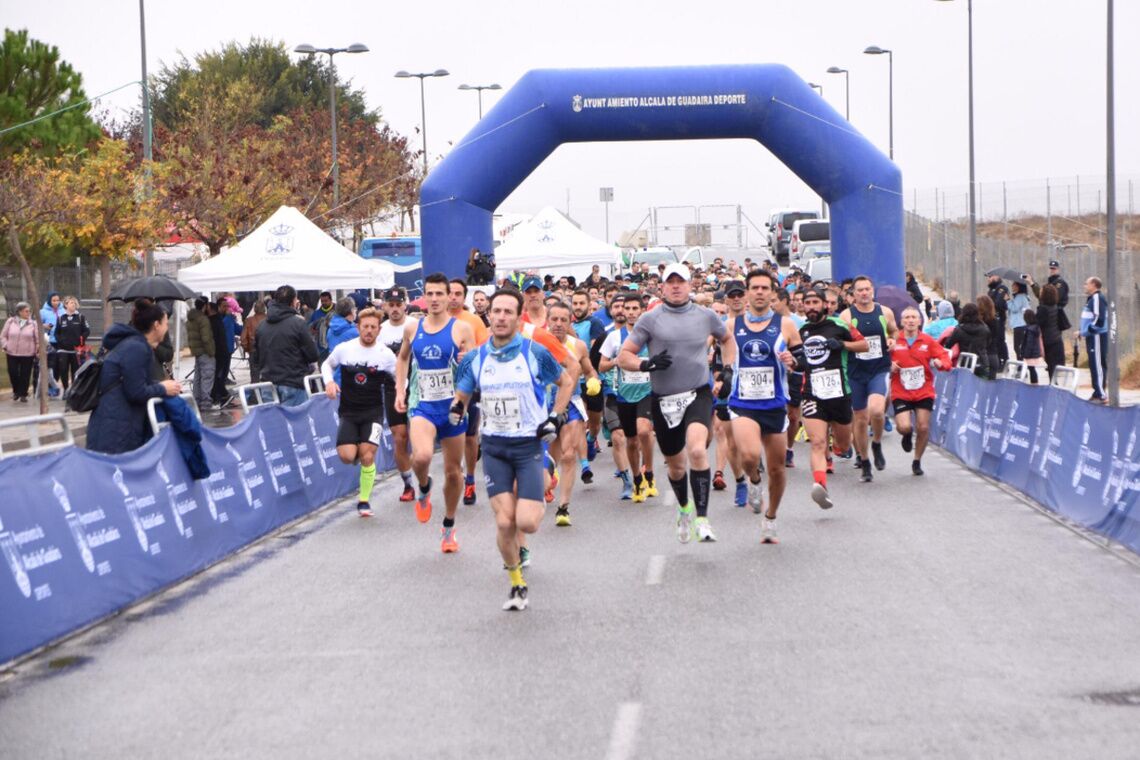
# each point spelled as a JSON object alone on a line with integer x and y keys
{"x": 310, "y": 50}
{"x": 876, "y": 50}
{"x": 1110, "y": 250}
{"x": 815, "y": 86}
{"x": 973, "y": 188}
{"x": 846, "y": 89}
{"x": 423, "y": 112}
{"x": 479, "y": 88}
{"x": 148, "y": 139}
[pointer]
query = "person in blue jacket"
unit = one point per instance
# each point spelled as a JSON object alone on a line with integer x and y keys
{"x": 49, "y": 315}
{"x": 342, "y": 327}
{"x": 1094, "y": 329}
{"x": 119, "y": 423}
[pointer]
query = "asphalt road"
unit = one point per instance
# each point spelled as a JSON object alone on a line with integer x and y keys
{"x": 921, "y": 617}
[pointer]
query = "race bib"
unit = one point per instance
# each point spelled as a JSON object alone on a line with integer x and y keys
{"x": 436, "y": 384}
{"x": 501, "y": 413}
{"x": 673, "y": 407}
{"x": 756, "y": 383}
{"x": 827, "y": 384}
{"x": 634, "y": 378}
{"x": 874, "y": 348}
{"x": 912, "y": 378}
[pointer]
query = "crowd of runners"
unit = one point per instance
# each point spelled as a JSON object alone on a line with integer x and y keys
{"x": 538, "y": 380}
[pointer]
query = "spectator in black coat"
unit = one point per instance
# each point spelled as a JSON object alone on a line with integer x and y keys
{"x": 285, "y": 347}
{"x": 999, "y": 294}
{"x": 71, "y": 331}
{"x": 223, "y": 350}
{"x": 119, "y": 423}
{"x": 1052, "y": 322}
{"x": 480, "y": 268}
{"x": 971, "y": 336}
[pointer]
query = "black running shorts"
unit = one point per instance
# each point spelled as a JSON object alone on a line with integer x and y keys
{"x": 907, "y": 406}
{"x": 671, "y": 440}
{"x": 837, "y": 410}
{"x": 393, "y": 417}
{"x": 354, "y": 431}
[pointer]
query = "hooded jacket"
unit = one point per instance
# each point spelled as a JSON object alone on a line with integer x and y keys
{"x": 50, "y": 316}
{"x": 285, "y": 347}
{"x": 199, "y": 333}
{"x": 970, "y": 337}
{"x": 119, "y": 423}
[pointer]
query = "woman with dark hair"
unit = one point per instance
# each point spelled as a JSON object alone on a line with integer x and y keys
{"x": 1018, "y": 303}
{"x": 912, "y": 287}
{"x": 1052, "y": 322}
{"x": 1029, "y": 349}
{"x": 987, "y": 311}
{"x": 119, "y": 423}
{"x": 971, "y": 336}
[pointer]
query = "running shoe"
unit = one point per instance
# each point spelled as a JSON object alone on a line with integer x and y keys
{"x": 562, "y": 516}
{"x": 650, "y": 487}
{"x": 704, "y": 530}
{"x": 409, "y": 493}
{"x": 363, "y": 509}
{"x": 756, "y": 496}
{"x": 591, "y": 449}
{"x": 768, "y": 532}
{"x": 907, "y": 441}
{"x": 820, "y": 496}
{"x": 877, "y": 454}
{"x": 524, "y": 556}
{"x": 626, "y": 487}
{"x": 639, "y": 493}
{"x": 830, "y": 465}
{"x": 789, "y": 459}
{"x": 741, "y": 499}
{"x": 718, "y": 483}
{"x": 916, "y": 467}
{"x": 846, "y": 454}
{"x": 685, "y": 523}
{"x": 858, "y": 462}
{"x": 549, "y": 495}
{"x": 448, "y": 544}
{"x": 867, "y": 477}
{"x": 587, "y": 475}
{"x": 423, "y": 506}
{"x": 887, "y": 426}
{"x": 516, "y": 602}
{"x": 469, "y": 494}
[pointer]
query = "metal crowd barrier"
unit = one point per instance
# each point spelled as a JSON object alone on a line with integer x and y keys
{"x": 315, "y": 385}
{"x": 35, "y": 443}
{"x": 966, "y": 360}
{"x": 1016, "y": 370}
{"x": 152, "y": 411}
{"x": 258, "y": 391}
{"x": 1065, "y": 378}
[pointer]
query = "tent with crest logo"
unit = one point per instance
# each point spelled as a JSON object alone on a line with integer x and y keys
{"x": 287, "y": 249}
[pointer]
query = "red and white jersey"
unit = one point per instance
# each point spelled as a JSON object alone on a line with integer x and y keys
{"x": 914, "y": 379}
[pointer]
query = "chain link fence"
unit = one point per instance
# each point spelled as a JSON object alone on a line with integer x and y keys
{"x": 938, "y": 252}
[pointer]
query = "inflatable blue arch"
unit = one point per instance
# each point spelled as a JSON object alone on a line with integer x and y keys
{"x": 768, "y": 103}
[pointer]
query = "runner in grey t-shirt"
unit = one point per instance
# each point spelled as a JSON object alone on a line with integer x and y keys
{"x": 677, "y": 334}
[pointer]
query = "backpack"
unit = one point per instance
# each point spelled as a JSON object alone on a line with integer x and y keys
{"x": 84, "y": 393}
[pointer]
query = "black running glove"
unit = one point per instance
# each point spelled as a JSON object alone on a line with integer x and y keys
{"x": 548, "y": 430}
{"x": 834, "y": 344}
{"x": 657, "y": 361}
{"x": 725, "y": 378}
{"x": 455, "y": 414}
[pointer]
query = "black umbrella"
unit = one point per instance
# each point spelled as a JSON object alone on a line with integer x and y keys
{"x": 896, "y": 298}
{"x": 157, "y": 288}
{"x": 1006, "y": 274}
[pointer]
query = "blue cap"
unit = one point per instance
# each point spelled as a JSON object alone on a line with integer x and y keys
{"x": 531, "y": 282}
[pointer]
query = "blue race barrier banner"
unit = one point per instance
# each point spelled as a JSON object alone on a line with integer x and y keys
{"x": 85, "y": 534}
{"x": 1078, "y": 459}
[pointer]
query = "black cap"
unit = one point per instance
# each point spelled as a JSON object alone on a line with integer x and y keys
{"x": 1054, "y": 264}
{"x": 815, "y": 293}
{"x": 395, "y": 294}
{"x": 734, "y": 286}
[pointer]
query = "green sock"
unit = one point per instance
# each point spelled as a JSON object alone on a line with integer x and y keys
{"x": 367, "y": 479}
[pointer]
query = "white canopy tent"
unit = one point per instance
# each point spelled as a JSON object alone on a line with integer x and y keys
{"x": 550, "y": 243}
{"x": 287, "y": 249}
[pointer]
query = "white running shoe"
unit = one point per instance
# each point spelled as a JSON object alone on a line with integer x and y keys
{"x": 768, "y": 532}
{"x": 517, "y": 601}
{"x": 820, "y": 497}
{"x": 704, "y": 530}
{"x": 685, "y": 524}
{"x": 756, "y": 497}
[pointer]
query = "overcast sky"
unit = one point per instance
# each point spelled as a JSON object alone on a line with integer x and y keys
{"x": 1039, "y": 80}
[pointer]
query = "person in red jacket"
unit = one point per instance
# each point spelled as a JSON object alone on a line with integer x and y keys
{"x": 913, "y": 359}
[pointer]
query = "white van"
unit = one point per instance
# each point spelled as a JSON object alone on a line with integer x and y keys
{"x": 808, "y": 231}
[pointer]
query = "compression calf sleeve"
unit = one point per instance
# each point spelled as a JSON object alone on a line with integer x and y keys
{"x": 680, "y": 490}
{"x": 701, "y": 481}
{"x": 367, "y": 480}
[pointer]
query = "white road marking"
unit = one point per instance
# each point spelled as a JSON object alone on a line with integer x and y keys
{"x": 624, "y": 735}
{"x": 656, "y": 570}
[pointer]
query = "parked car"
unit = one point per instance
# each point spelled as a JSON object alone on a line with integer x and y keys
{"x": 809, "y": 251}
{"x": 819, "y": 269}
{"x": 652, "y": 256}
{"x": 808, "y": 231}
{"x": 779, "y": 225}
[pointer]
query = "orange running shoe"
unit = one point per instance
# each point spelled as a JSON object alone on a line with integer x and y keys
{"x": 549, "y": 495}
{"x": 423, "y": 505}
{"x": 409, "y": 493}
{"x": 448, "y": 544}
{"x": 469, "y": 494}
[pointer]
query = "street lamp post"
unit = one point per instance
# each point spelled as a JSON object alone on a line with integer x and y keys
{"x": 846, "y": 90}
{"x": 148, "y": 139}
{"x": 479, "y": 89}
{"x": 815, "y": 86}
{"x": 307, "y": 49}
{"x": 423, "y": 111}
{"x": 876, "y": 50}
{"x": 973, "y": 189}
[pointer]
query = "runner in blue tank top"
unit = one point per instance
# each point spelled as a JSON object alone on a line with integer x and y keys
{"x": 432, "y": 349}
{"x": 512, "y": 374}
{"x": 869, "y": 371}
{"x": 766, "y": 348}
